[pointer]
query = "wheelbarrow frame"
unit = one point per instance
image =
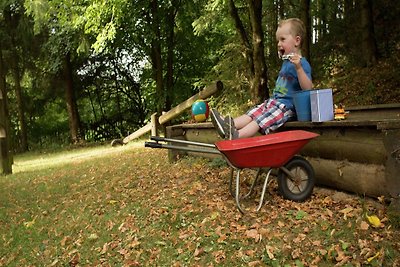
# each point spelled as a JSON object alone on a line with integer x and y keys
{"x": 283, "y": 172}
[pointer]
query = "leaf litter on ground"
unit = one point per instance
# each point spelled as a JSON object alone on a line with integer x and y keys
{"x": 131, "y": 207}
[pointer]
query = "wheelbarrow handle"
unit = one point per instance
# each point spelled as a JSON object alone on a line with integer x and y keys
{"x": 183, "y": 148}
{"x": 153, "y": 145}
{"x": 157, "y": 138}
{"x": 179, "y": 141}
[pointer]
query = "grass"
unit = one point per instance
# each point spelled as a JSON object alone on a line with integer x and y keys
{"x": 128, "y": 206}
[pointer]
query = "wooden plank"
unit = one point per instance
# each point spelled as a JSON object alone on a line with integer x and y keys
{"x": 388, "y": 124}
{"x": 372, "y": 107}
{"x": 374, "y": 112}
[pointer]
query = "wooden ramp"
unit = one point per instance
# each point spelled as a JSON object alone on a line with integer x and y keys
{"x": 360, "y": 154}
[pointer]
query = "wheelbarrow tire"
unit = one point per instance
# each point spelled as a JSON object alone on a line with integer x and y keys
{"x": 301, "y": 187}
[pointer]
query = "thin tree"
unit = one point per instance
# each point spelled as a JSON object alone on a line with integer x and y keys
{"x": 6, "y": 158}
{"x": 253, "y": 48}
{"x": 13, "y": 18}
{"x": 368, "y": 42}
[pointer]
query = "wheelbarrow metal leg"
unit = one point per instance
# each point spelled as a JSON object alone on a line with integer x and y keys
{"x": 231, "y": 182}
{"x": 264, "y": 189}
{"x": 259, "y": 171}
{"x": 237, "y": 191}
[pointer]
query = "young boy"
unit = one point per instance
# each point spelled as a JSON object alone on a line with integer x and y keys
{"x": 294, "y": 76}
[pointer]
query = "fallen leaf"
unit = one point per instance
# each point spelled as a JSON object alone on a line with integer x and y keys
{"x": 296, "y": 253}
{"x": 346, "y": 212}
{"x": 253, "y": 233}
{"x": 75, "y": 259}
{"x": 270, "y": 251}
{"x": 198, "y": 252}
{"x": 93, "y": 236}
{"x": 219, "y": 256}
{"x": 254, "y": 263}
{"x": 30, "y": 223}
{"x": 66, "y": 240}
{"x": 329, "y": 213}
{"x": 364, "y": 225}
{"x": 373, "y": 220}
{"x": 135, "y": 243}
{"x": 373, "y": 257}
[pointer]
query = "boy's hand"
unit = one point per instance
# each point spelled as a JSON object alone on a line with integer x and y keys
{"x": 295, "y": 59}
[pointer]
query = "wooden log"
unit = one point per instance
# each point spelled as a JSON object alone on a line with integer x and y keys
{"x": 145, "y": 129}
{"x": 364, "y": 179}
{"x": 206, "y": 92}
{"x": 362, "y": 145}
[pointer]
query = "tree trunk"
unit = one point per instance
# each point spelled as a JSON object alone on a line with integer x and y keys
{"x": 6, "y": 158}
{"x": 12, "y": 20}
{"x": 20, "y": 101}
{"x": 156, "y": 56}
{"x": 368, "y": 43}
{"x": 259, "y": 83}
{"x": 349, "y": 16}
{"x": 248, "y": 54}
{"x": 169, "y": 87}
{"x": 306, "y": 18}
{"x": 254, "y": 52}
{"x": 72, "y": 108}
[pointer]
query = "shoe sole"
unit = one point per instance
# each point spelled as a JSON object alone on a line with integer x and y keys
{"x": 217, "y": 124}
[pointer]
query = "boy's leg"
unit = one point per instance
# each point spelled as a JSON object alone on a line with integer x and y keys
{"x": 242, "y": 121}
{"x": 249, "y": 130}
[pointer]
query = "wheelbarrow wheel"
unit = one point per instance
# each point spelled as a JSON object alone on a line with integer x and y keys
{"x": 300, "y": 186}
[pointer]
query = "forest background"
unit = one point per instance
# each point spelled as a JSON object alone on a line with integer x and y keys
{"x": 94, "y": 70}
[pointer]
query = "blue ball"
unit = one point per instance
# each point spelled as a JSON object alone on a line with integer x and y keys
{"x": 200, "y": 111}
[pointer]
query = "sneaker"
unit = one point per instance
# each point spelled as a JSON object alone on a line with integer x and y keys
{"x": 218, "y": 122}
{"x": 231, "y": 132}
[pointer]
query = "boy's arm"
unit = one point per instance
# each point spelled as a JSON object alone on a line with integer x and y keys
{"x": 304, "y": 81}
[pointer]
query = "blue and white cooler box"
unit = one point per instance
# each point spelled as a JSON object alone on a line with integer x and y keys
{"x": 321, "y": 101}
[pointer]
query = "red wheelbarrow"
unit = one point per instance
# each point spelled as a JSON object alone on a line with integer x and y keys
{"x": 295, "y": 174}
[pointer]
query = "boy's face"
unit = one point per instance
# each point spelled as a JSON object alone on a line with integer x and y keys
{"x": 287, "y": 42}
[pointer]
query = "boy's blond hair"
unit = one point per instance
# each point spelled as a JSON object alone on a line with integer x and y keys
{"x": 297, "y": 28}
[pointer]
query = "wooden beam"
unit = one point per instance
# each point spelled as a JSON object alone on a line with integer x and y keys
{"x": 138, "y": 133}
{"x": 205, "y": 93}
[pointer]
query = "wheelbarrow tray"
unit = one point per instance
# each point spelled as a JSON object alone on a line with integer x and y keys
{"x": 272, "y": 150}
